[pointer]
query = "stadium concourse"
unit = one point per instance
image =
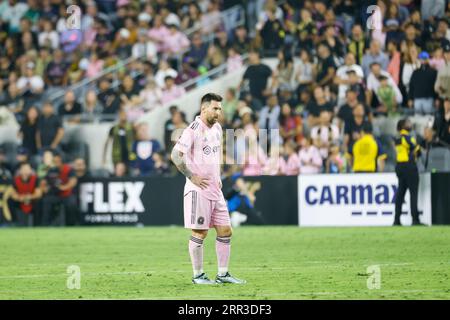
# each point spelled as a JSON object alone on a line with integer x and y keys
{"x": 315, "y": 70}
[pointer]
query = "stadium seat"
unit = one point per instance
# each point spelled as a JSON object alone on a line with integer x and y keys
{"x": 439, "y": 159}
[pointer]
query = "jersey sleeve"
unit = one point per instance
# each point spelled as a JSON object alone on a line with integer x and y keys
{"x": 186, "y": 140}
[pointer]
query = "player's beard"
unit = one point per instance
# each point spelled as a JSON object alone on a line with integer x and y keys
{"x": 212, "y": 120}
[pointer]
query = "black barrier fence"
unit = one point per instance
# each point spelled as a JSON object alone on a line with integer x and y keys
{"x": 440, "y": 197}
{"x": 159, "y": 200}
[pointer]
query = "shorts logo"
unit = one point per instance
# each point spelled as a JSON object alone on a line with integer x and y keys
{"x": 207, "y": 150}
{"x": 200, "y": 220}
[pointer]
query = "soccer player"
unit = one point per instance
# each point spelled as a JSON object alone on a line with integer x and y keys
{"x": 197, "y": 155}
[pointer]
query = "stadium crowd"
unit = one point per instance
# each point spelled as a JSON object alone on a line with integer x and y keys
{"x": 335, "y": 73}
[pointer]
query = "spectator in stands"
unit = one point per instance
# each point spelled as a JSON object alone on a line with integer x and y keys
{"x": 342, "y": 76}
{"x": 129, "y": 91}
{"x": 198, "y": 50}
{"x": 336, "y": 162}
{"x": 303, "y": 72}
{"x": 108, "y": 97}
{"x": 291, "y": 159}
{"x": 122, "y": 136}
{"x": 345, "y": 113}
{"x": 144, "y": 49}
{"x": 241, "y": 40}
{"x": 411, "y": 63}
{"x": 56, "y": 74}
{"x": 11, "y": 13}
{"x": 25, "y": 192}
{"x": 48, "y": 37}
{"x": 275, "y": 162}
{"x": 150, "y": 97}
{"x": 158, "y": 32}
{"x": 92, "y": 107}
{"x": 326, "y": 67}
{"x": 255, "y": 158}
{"x": 175, "y": 41}
{"x": 169, "y": 126}
{"x": 268, "y": 118}
{"x": 46, "y": 164}
{"x": 257, "y": 75}
{"x": 310, "y": 158}
{"x": 375, "y": 54}
{"x": 441, "y": 125}
{"x": 325, "y": 133}
{"x": 229, "y": 105}
{"x": 442, "y": 84}
{"x": 171, "y": 91}
{"x": 284, "y": 72}
{"x": 373, "y": 84}
{"x": 352, "y": 128}
{"x": 164, "y": 70}
{"x": 120, "y": 170}
{"x": 70, "y": 108}
{"x": 28, "y": 128}
{"x": 366, "y": 154}
{"x": 386, "y": 98}
{"x": 80, "y": 169}
{"x": 314, "y": 107}
{"x": 421, "y": 86}
{"x": 187, "y": 72}
{"x": 142, "y": 152}
{"x": 58, "y": 186}
{"x": 395, "y": 61}
{"x": 290, "y": 124}
{"x": 214, "y": 57}
{"x": 30, "y": 84}
{"x": 49, "y": 129}
{"x": 14, "y": 101}
{"x": 234, "y": 60}
{"x": 94, "y": 65}
{"x": 272, "y": 33}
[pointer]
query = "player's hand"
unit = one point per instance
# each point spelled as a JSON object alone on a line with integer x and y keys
{"x": 200, "y": 182}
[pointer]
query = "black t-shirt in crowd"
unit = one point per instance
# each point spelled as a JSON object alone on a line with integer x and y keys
{"x": 351, "y": 128}
{"x": 48, "y": 128}
{"x": 28, "y": 131}
{"x": 257, "y": 76}
{"x": 110, "y": 100}
{"x": 74, "y": 110}
{"x": 314, "y": 108}
{"x": 323, "y": 66}
{"x": 56, "y": 72}
{"x": 345, "y": 113}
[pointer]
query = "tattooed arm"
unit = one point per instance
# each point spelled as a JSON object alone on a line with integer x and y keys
{"x": 179, "y": 159}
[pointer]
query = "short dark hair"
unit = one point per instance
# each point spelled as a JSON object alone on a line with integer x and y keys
{"x": 210, "y": 97}
{"x": 401, "y": 124}
{"x": 367, "y": 127}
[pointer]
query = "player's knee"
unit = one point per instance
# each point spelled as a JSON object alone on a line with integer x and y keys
{"x": 225, "y": 232}
{"x": 201, "y": 234}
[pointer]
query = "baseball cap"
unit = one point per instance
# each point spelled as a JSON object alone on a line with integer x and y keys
{"x": 424, "y": 55}
{"x": 245, "y": 110}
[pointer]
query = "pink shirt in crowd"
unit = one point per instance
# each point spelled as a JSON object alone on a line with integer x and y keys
{"x": 203, "y": 148}
{"x": 171, "y": 94}
{"x": 158, "y": 35}
{"x": 254, "y": 163}
{"x": 175, "y": 43}
{"x": 94, "y": 68}
{"x": 307, "y": 155}
{"x": 274, "y": 166}
{"x": 234, "y": 63}
{"x": 292, "y": 165}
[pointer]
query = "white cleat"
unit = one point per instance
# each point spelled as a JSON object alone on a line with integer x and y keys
{"x": 228, "y": 278}
{"x": 202, "y": 279}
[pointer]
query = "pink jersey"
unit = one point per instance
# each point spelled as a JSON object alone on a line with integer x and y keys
{"x": 203, "y": 148}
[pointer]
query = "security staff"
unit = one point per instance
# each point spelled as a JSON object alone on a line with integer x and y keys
{"x": 406, "y": 169}
{"x": 366, "y": 153}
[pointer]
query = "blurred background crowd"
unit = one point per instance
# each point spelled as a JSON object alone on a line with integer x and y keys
{"x": 336, "y": 70}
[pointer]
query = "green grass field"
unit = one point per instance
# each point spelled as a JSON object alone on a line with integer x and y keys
{"x": 277, "y": 262}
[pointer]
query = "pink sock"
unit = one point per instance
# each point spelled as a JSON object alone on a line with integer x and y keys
{"x": 196, "y": 253}
{"x": 223, "y": 248}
